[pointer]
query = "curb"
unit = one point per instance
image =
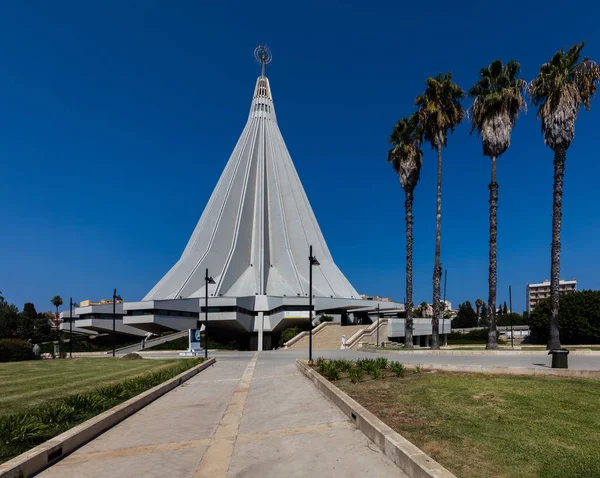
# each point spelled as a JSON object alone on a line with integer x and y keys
{"x": 471, "y": 352}
{"x": 47, "y": 453}
{"x": 410, "y": 459}
{"x": 561, "y": 372}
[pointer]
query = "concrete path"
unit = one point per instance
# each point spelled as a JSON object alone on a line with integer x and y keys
{"x": 576, "y": 362}
{"x": 250, "y": 415}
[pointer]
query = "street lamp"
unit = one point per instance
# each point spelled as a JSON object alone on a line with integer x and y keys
{"x": 71, "y": 304}
{"x": 377, "y": 340}
{"x": 207, "y": 280}
{"x": 312, "y": 261}
{"x": 115, "y": 298}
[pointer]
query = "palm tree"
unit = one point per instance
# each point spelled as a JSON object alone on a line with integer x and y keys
{"x": 561, "y": 87}
{"x": 439, "y": 110}
{"x": 478, "y": 304}
{"x": 424, "y": 307}
{"x": 496, "y": 105}
{"x": 407, "y": 158}
{"x": 57, "y": 302}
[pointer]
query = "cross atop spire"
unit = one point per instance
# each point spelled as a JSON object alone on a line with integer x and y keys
{"x": 264, "y": 56}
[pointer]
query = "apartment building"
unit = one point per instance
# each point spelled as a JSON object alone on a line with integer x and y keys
{"x": 536, "y": 292}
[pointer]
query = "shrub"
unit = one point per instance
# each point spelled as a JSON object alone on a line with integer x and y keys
{"x": 14, "y": 350}
{"x": 381, "y": 362}
{"x": 365, "y": 364}
{"x": 132, "y": 356}
{"x": 397, "y": 368}
{"x": 319, "y": 361}
{"x": 355, "y": 373}
{"x": 55, "y": 413}
{"x": 331, "y": 372}
{"x": 326, "y": 318}
{"x": 418, "y": 368}
{"x": 342, "y": 365}
{"x": 19, "y": 428}
{"x": 288, "y": 334}
{"x": 477, "y": 336}
{"x": 377, "y": 373}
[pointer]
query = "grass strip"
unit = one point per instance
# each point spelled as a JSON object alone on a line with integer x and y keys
{"x": 21, "y": 431}
{"x": 480, "y": 425}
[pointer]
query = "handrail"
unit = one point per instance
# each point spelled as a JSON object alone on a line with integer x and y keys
{"x": 367, "y": 330}
{"x": 318, "y": 328}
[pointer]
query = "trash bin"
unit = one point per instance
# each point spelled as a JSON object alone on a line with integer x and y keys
{"x": 559, "y": 358}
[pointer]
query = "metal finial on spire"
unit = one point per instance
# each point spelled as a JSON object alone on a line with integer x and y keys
{"x": 263, "y": 55}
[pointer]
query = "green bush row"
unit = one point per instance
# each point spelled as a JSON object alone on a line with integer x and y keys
{"x": 15, "y": 350}
{"x": 19, "y": 432}
{"x": 376, "y": 368}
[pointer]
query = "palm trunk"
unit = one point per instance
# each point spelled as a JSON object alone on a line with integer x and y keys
{"x": 560, "y": 157}
{"x": 408, "y": 323}
{"x": 492, "y": 278}
{"x": 437, "y": 268}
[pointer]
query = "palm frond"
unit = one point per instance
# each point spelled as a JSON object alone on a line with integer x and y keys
{"x": 498, "y": 99}
{"x": 562, "y": 85}
{"x": 406, "y": 155}
{"x": 439, "y": 109}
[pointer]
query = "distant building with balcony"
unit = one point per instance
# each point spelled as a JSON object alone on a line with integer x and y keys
{"x": 534, "y": 293}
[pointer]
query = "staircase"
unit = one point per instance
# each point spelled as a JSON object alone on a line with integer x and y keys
{"x": 326, "y": 336}
{"x": 368, "y": 335}
{"x": 152, "y": 342}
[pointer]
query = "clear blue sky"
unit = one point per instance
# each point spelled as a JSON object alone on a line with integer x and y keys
{"x": 117, "y": 118}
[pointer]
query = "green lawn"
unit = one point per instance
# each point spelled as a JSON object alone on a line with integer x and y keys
{"x": 26, "y": 385}
{"x": 488, "y": 425}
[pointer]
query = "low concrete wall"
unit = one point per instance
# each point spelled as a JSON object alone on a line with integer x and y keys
{"x": 40, "y": 457}
{"x": 469, "y": 352}
{"x": 409, "y": 458}
{"x": 562, "y": 372}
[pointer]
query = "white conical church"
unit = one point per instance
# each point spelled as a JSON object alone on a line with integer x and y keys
{"x": 255, "y": 232}
{"x": 253, "y": 238}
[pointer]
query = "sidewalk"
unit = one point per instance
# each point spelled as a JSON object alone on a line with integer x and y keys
{"x": 250, "y": 415}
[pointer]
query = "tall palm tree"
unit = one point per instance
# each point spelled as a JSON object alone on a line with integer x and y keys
{"x": 57, "y": 302}
{"x": 439, "y": 110}
{"x": 407, "y": 158}
{"x": 478, "y": 304}
{"x": 497, "y": 101}
{"x": 563, "y": 84}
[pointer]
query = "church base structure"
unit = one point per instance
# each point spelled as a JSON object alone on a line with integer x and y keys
{"x": 256, "y": 322}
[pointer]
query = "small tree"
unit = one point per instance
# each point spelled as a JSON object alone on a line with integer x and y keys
{"x": 484, "y": 320}
{"x": 465, "y": 317}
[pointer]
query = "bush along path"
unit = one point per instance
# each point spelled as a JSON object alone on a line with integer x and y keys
{"x": 22, "y": 431}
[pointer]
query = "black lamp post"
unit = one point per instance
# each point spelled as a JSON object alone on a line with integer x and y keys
{"x": 207, "y": 280}
{"x": 312, "y": 261}
{"x": 377, "y": 340}
{"x": 71, "y": 304}
{"x": 115, "y": 298}
{"x": 512, "y": 333}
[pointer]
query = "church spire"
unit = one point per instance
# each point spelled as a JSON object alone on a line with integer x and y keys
{"x": 264, "y": 56}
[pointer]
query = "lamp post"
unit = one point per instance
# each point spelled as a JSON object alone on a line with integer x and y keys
{"x": 312, "y": 261}
{"x": 115, "y": 298}
{"x": 444, "y": 309}
{"x": 377, "y": 340}
{"x": 207, "y": 280}
{"x": 512, "y": 334}
{"x": 71, "y": 304}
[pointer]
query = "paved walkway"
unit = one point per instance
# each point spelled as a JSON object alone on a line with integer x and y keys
{"x": 250, "y": 415}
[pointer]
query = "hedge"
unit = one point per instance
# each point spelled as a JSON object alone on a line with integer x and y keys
{"x": 15, "y": 350}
